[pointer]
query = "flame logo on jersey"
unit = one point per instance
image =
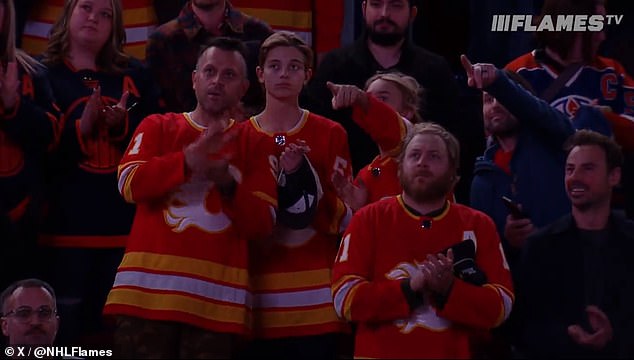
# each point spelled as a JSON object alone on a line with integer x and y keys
{"x": 570, "y": 104}
{"x": 425, "y": 315}
{"x": 188, "y": 207}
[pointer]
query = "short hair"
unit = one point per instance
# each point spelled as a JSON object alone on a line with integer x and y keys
{"x": 612, "y": 150}
{"x": 430, "y": 128}
{"x": 25, "y": 283}
{"x": 285, "y": 38}
{"x": 412, "y": 92}
{"x": 561, "y": 41}
{"x": 226, "y": 44}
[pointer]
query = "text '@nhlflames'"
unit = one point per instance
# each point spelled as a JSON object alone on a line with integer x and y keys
{"x": 42, "y": 352}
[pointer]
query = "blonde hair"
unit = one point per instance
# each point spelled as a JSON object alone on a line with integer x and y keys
{"x": 285, "y": 38}
{"x": 411, "y": 91}
{"x": 429, "y": 128}
{"x": 7, "y": 42}
{"x": 111, "y": 57}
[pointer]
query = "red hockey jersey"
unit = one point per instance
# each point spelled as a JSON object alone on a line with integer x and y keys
{"x": 291, "y": 272}
{"x": 388, "y": 130}
{"x": 186, "y": 258}
{"x": 383, "y": 244}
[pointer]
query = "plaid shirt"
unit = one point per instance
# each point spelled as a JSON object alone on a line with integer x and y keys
{"x": 173, "y": 48}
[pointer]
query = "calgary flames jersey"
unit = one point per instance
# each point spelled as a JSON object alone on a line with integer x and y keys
{"x": 388, "y": 130}
{"x": 26, "y": 133}
{"x": 83, "y": 170}
{"x": 291, "y": 272}
{"x": 384, "y": 243}
{"x": 186, "y": 258}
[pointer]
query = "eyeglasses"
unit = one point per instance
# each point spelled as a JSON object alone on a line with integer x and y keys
{"x": 23, "y": 314}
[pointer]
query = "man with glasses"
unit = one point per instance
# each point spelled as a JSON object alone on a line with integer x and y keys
{"x": 29, "y": 315}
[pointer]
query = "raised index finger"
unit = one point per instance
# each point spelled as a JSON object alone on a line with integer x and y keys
{"x": 466, "y": 64}
{"x": 334, "y": 88}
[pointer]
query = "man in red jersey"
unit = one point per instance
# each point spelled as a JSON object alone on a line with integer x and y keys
{"x": 418, "y": 274}
{"x": 182, "y": 289}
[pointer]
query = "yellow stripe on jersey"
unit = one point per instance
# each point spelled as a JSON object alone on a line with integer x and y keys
{"x": 136, "y": 50}
{"x": 47, "y": 13}
{"x": 294, "y": 280}
{"x": 139, "y": 17}
{"x": 170, "y": 263}
{"x": 266, "y": 197}
{"x": 182, "y": 303}
{"x": 127, "y": 188}
{"x": 282, "y": 18}
{"x": 341, "y": 293}
{"x": 36, "y": 46}
{"x": 347, "y": 305}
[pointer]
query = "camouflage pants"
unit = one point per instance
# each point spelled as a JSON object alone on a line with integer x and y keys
{"x": 137, "y": 338}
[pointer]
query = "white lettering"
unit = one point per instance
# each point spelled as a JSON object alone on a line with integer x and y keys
{"x": 617, "y": 19}
{"x": 529, "y": 26}
{"x": 517, "y": 21}
{"x": 580, "y": 22}
{"x": 595, "y": 23}
{"x": 546, "y": 24}
{"x": 564, "y": 22}
{"x": 506, "y": 20}
{"x": 577, "y": 23}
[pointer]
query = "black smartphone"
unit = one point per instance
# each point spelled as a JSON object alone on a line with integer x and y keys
{"x": 513, "y": 208}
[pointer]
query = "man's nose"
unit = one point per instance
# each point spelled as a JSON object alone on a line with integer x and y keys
{"x": 385, "y": 10}
{"x": 285, "y": 71}
{"x": 423, "y": 161}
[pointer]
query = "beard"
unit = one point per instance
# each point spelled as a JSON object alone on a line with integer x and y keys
{"x": 503, "y": 129}
{"x": 386, "y": 38}
{"x": 435, "y": 189}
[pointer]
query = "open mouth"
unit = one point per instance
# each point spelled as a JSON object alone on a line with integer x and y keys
{"x": 577, "y": 190}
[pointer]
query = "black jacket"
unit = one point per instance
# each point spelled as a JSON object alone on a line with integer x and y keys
{"x": 355, "y": 64}
{"x": 552, "y": 285}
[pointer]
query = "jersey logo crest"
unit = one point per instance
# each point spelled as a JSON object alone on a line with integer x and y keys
{"x": 570, "y": 104}
{"x": 188, "y": 208}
